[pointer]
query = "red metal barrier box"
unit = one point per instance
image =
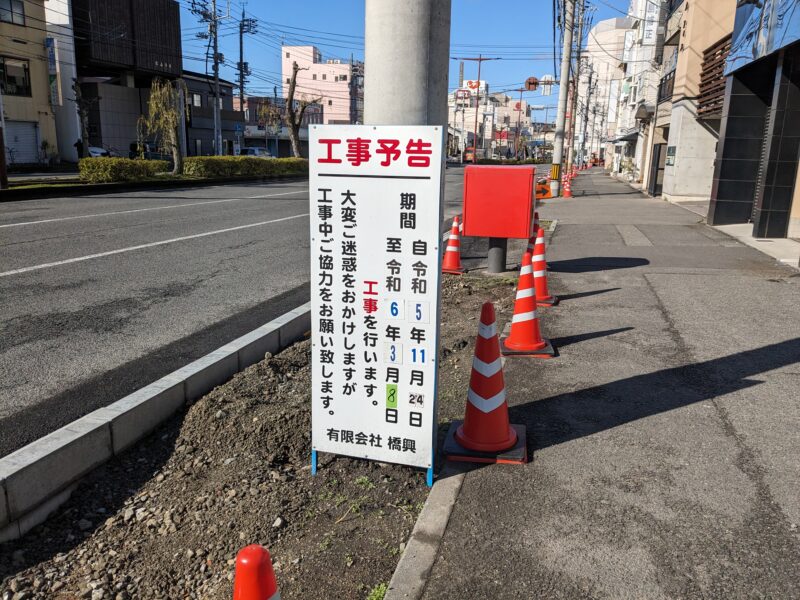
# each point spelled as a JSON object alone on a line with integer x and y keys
{"x": 499, "y": 201}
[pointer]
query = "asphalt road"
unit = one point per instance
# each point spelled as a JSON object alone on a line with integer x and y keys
{"x": 101, "y": 295}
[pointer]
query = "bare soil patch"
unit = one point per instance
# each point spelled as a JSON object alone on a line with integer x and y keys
{"x": 166, "y": 519}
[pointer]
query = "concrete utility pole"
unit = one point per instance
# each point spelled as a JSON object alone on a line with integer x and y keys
{"x": 589, "y": 93}
{"x": 566, "y": 59}
{"x": 573, "y": 116}
{"x": 217, "y": 116}
{"x": 246, "y": 25}
{"x": 406, "y": 52}
{"x": 3, "y": 170}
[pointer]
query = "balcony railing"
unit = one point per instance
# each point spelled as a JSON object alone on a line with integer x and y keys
{"x": 665, "y": 87}
{"x": 712, "y": 79}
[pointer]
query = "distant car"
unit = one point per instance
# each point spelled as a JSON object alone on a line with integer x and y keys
{"x": 258, "y": 152}
{"x": 148, "y": 152}
{"x": 96, "y": 151}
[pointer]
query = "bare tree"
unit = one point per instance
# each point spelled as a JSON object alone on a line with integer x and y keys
{"x": 294, "y": 114}
{"x": 164, "y": 118}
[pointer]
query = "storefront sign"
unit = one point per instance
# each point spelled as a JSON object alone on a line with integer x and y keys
{"x": 375, "y": 212}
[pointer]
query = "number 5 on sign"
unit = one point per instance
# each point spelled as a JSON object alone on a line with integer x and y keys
{"x": 418, "y": 312}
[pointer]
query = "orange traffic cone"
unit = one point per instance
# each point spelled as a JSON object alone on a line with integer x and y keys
{"x": 525, "y": 338}
{"x": 566, "y": 191}
{"x": 485, "y": 435}
{"x": 539, "y": 261}
{"x": 452, "y": 254}
{"x": 254, "y": 579}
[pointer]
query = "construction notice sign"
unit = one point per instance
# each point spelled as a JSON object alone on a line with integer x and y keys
{"x": 375, "y": 214}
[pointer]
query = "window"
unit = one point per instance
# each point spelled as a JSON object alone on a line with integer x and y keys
{"x": 197, "y": 100}
{"x": 287, "y": 80}
{"x": 287, "y": 55}
{"x": 314, "y": 76}
{"x": 15, "y": 79}
{"x": 342, "y": 77}
{"x": 12, "y": 11}
{"x": 330, "y": 102}
{"x": 198, "y": 147}
{"x": 324, "y": 76}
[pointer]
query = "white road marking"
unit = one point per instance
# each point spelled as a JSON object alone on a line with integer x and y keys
{"x": 136, "y": 210}
{"x": 143, "y": 246}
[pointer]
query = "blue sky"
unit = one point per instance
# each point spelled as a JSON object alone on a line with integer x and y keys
{"x": 519, "y": 32}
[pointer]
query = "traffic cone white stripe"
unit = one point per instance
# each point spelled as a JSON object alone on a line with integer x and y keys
{"x": 453, "y": 237}
{"x": 452, "y": 249}
{"x": 526, "y": 270}
{"x": 487, "y": 369}
{"x": 538, "y": 257}
{"x": 528, "y": 316}
{"x": 525, "y": 293}
{"x": 539, "y": 273}
{"x": 540, "y": 240}
{"x": 486, "y": 405}
{"x": 487, "y": 331}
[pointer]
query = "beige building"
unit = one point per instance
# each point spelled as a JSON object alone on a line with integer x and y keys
{"x": 691, "y": 90}
{"x": 25, "y": 83}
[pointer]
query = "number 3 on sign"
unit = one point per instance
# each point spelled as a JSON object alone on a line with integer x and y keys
{"x": 418, "y": 312}
{"x": 395, "y": 309}
{"x": 393, "y": 353}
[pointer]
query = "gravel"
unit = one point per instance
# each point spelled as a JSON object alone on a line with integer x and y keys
{"x": 166, "y": 519}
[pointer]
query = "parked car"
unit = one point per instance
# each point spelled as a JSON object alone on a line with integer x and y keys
{"x": 258, "y": 152}
{"x": 96, "y": 151}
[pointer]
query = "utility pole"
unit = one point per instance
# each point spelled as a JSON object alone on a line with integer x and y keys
{"x": 3, "y": 169}
{"x": 573, "y": 119}
{"x": 210, "y": 16}
{"x": 589, "y": 92}
{"x": 519, "y": 125}
{"x": 246, "y": 25}
{"x": 217, "y": 115}
{"x": 406, "y": 47}
{"x": 479, "y": 59}
{"x": 566, "y": 60}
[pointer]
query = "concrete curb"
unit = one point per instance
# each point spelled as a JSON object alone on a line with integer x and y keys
{"x": 411, "y": 574}
{"x": 37, "y": 479}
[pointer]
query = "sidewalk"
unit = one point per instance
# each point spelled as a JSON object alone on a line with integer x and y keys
{"x": 666, "y": 435}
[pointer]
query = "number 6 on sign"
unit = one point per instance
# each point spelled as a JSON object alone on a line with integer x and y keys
{"x": 418, "y": 312}
{"x": 395, "y": 309}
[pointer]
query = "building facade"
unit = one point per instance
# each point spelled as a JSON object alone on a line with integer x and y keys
{"x": 336, "y": 84}
{"x": 200, "y": 116}
{"x": 120, "y": 47}
{"x": 688, "y": 111}
{"x": 258, "y": 133}
{"x": 598, "y": 91}
{"x": 28, "y": 100}
{"x": 756, "y": 170}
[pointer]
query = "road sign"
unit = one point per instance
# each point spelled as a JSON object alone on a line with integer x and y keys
{"x": 375, "y": 211}
{"x": 237, "y": 128}
{"x": 547, "y": 84}
{"x": 531, "y": 83}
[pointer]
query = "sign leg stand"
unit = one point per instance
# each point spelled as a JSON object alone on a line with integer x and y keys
{"x": 429, "y": 477}
{"x": 313, "y": 462}
{"x": 498, "y": 248}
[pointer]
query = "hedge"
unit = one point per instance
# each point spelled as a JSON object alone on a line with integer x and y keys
{"x": 236, "y": 166}
{"x": 508, "y": 161}
{"x": 109, "y": 170}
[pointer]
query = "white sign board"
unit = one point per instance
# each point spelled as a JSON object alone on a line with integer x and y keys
{"x": 375, "y": 212}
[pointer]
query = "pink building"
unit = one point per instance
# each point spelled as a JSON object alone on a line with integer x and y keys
{"x": 339, "y": 83}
